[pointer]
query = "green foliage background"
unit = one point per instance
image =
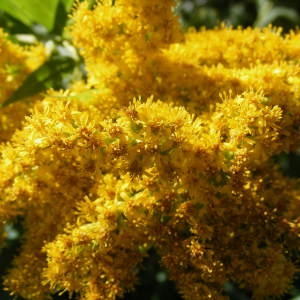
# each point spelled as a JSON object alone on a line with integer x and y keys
{"x": 29, "y": 20}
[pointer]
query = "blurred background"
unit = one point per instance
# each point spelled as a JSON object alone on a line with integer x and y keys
{"x": 259, "y": 13}
{"x": 30, "y": 20}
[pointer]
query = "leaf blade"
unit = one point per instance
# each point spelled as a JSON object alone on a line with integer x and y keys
{"x": 41, "y": 79}
{"x": 30, "y": 12}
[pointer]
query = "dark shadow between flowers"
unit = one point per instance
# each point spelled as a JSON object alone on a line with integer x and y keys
{"x": 154, "y": 284}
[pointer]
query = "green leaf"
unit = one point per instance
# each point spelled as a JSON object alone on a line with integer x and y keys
{"x": 31, "y": 12}
{"x": 61, "y": 17}
{"x": 275, "y": 13}
{"x": 268, "y": 13}
{"x": 67, "y": 4}
{"x": 46, "y": 76}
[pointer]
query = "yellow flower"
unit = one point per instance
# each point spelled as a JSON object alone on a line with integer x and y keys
{"x": 104, "y": 172}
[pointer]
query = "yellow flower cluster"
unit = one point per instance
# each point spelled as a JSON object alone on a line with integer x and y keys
{"x": 100, "y": 178}
{"x": 120, "y": 44}
{"x": 15, "y": 64}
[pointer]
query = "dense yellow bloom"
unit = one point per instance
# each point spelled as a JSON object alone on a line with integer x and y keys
{"x": 188, "y": 172}
{"x": 15, "y": 64}
{"x": 119, "y": 43}
{"x": 184, "y": 180}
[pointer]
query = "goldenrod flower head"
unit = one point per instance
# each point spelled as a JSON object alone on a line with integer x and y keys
{"x": 16, "y": 63}
{"x": 169, "y": 147}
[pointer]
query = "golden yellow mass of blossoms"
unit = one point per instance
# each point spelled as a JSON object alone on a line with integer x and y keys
{"x": 173, "y": 151}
